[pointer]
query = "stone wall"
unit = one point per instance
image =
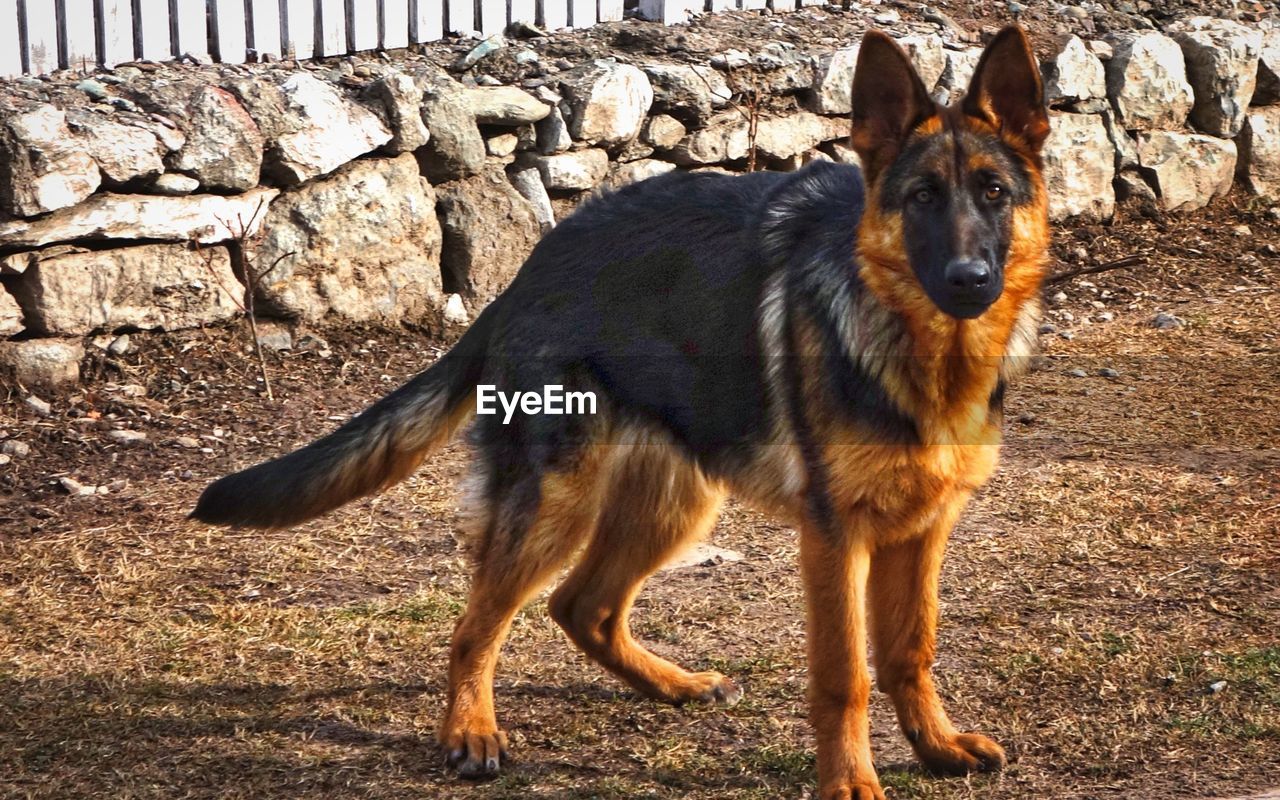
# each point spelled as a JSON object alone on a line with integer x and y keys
{"x": 390, "y": 191}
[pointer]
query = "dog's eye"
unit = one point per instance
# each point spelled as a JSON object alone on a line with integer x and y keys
{"x": 994, "y": 192}
{"x": 923, "y": 196}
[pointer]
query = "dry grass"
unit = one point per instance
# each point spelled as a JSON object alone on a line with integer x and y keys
{"x": 1122, "y": 563}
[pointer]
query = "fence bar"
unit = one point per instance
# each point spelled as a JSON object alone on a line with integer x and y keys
{"x": 582, "y": 13}
{"x": 493, "y": 16}
{"x": 610, "y": 10}
{"x": 332, "y": 40}
{"x": 42, "y": 39}
{"x": 265, "y": 25}
{"x": 116, "y": 31}
{"x": 189, "y": 22}
{"x": 228, "y": 30}
{"x": 10, "y": 43}
{"x": 151, "y": 29}
{"x": 462, "y": 15}
{"x": 79, "y": 39}
{"x": 395, "y": 24}
{"x": 426, "y": 20}
{"x": 554, "y": 14}
{"x": 299, "y": 35}
{"x": 362, "y": 25}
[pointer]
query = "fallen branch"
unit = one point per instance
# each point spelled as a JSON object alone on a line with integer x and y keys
{"x": 1119, "y": 263}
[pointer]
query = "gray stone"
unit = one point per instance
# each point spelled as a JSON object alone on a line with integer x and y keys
{"x": 362, "y": 243}
{"x": 928, "y": 56}
{"x": 553, "y": 133}
{"x": 622, "y": 174}
{"x": 1189, "y": 169}
{"x": 1079, "y": 166}
{"x": 1131, "y": 187}
{"x": 19, "y": 449}
{"x": 688, "y": 93}
{"x": 1165, "y": 321}
{"x": 1259, "y": 144}
{"x": 1147, "y": 82}
{"x": 46, "y": 363}
{"x": 1267, "y": 90}
{"x": 782, "y": 68}
{"x": 703, "y": 554}
{"x": 502, "y": 145}
{"x": 1222, "y": 68}
{"x": 608, "y": 102}
{"x": 1072, "y": 74}
{"x": 489, "y": 230}
{"x": 223, "y": 147}
{"x": 126, "y": 437}
{"x": 662, "y": 131}
{"x": 401, "y": 99}
{"x": 42, "y": 166}
{"x": 783, "y": 137}
{"x": 171, "y": 184}
{"x": 725, "y": 138}
{"x": 505, "y": 105}
{"x": 528, "y": 182}
{"x": 573, "y": 171}
{"x": 456, "y": 148}
{"x": 274, "y": 335}
{"x": 10, "y": 314}
{"x": 833, "y": 81}
{"x": 150, "y": 286}
{"x": 1124, "y": 146}
{"x": 633, "y": 150}
{"x": 202, "y": 218}
{"x": 124, "y": 153}
{"x": 954, "y": 81}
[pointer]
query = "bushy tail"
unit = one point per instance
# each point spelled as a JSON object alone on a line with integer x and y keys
{"x": 381, "y": 446}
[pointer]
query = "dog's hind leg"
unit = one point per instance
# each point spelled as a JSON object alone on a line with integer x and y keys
{"x": 656, "y": 504}
{"x": 518, "y": 550}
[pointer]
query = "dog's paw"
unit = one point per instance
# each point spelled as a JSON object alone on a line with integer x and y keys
{"x": 476, "y": 756}
{"x": 858, "y": 790}
{"x": 717, "y": 689}
{"x": 962, "y": 754}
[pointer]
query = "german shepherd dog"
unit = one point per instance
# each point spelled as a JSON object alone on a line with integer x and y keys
{"x": 830, "y": 344}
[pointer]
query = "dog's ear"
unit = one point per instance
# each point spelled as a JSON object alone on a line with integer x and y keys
{"x": 889, "y": 101}
{"x": 1006, "y": 90}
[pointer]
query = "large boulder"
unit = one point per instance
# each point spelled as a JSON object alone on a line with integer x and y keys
{"x": 311, "y": 128}
{"x": 1072, "y": 74}
{"x": 783, "y": 137}
{"x": 124, "y": 153}
{"x": 400, "y": 97}
{"x": 10, "y": 314}
{"x": 833, "y": 81}
{"x": 505, "y": 105}
{"x": 456, "y": 148}
{"x": 1259, "y": 144}
{"x": 608, "y": 102}
{"x": 1147, "y": 82}
{"x": 725, "y": 138}
{"x": 927, "y": 55}
{"x": 955, "y": 78}
{"x": 1079, "y": 166}
{"x": 42, "y": 166}
{"x": 203, "y": 218}
{"x": 222, "y": 147}
{"x": 688, "y": 93}
{"x": 489, "y": 230}
{"x": 149, "y": 286}
{"x": 1190, "y": 169}
{"x": 43, "y": 363}
{"x": 573, "y": 171}
{"x": 1268, "y": 89}
{"x": 1222, "y": 67}
{"x": 362, "y": 243}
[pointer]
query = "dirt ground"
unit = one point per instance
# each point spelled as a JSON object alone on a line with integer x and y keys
{"x": 1110, "y": 601}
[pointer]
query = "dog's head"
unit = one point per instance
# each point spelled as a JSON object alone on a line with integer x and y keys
{"x": 955, "y": 195}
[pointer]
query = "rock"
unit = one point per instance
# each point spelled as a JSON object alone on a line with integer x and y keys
{"x": 688, "y": 93}
{"x": 455, "y": 313}
{"x": 119, "y": 345}
{"x": 15, "y": 448}
{"x": 489, "y": 230}
{"x": 783, "y": 137}
{"x": 187, "y": 442}
{"x": 401, "y": 99}
{"x": 1164, "y": 321}
{"x": 528, "y": 182}
{"x": 274, "y": 335}
{"x": 572, "y": 171}
{"x": 1222, "y": 68}
{"x": 633, "y": 150}
{"x": 623, "y": 174}
{"x": 200, "y": 218}
{"x": 223, "y": 146}
{"x": 10, "y": 314}
{"x": 833, "y": 81}
{"x": 662, "y": 131}
{"x": 456, "y": 148}
{"x": 928, "y": 56}
{"x": 954, "y": 81}
{"x": 47, "y": 363}
{"x": 164, "y": 286}
{"x": 1072, "y": 74}
{"x": 1108, "y": 372}
{"x": 1147, "y": 82}
{"x": 781, "y": 68}
{"x": 703, "y": 554}
{"x": 42, "y": 166}
{"x": 124, "y": 153}
{"x": 1124, "y": 145}
{"x": 1132, "y": 187}
{"x": 842, "y": 152}
{"x": 553, "y": 133}
{"x": 502, "y": 145}
{"x": 505, "y": 105}
{"x": 481, "y": 51}
{"x": 1079, "y": 166}
{"x": 608, "y": 102}
{"x": 1267, "y": 90}
{"x": 1103, "y": 50}
{"x": 725, "y": 138}
{"x": 365, "y": 245}
{"x": 1259, "y": 144}
{"x": 1077, "y": 373}
{"x": 171, "y": 184}
{"x": 1190, "y": 169}
{"x": 126, "y": 437}
{"x": 311, "y": 129}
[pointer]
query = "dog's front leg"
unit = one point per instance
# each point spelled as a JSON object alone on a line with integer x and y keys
{"x": 835, "y": 576}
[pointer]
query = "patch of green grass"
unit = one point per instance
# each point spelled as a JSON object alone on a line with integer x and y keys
{"x": 424, "y": 608}
{"x": 792, "y": 764}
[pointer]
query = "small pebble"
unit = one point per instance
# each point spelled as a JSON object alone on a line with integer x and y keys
{"x": 189, "y": 442}
{"x": 41, "y": 407}
{"x": 1105, "y": 316}
{"x": 1108, "y": 372}
{"x": 15, "y": 448}
{"x": 1058, "y": 298}
{"x": 1166, "y": 322}
{"x": 126, "y": 436}
{"x": 1217, "y": 686}
{"x": 1078, "y": 373}
{"x": 1048, "y": 327}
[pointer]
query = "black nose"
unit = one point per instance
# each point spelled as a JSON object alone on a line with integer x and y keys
{"x": 968, "y": 274}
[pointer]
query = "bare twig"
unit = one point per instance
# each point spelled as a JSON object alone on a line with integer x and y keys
{"x": 1119, "y": 263}
{"x": 751, "y": 113}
